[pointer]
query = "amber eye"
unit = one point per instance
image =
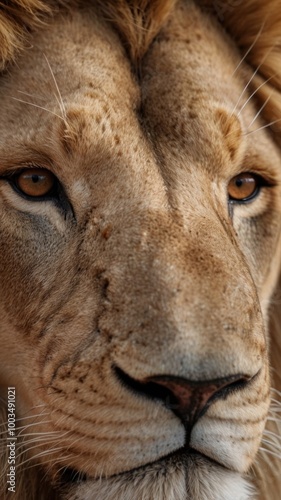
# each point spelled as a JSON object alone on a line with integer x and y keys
{"x": 35, "y": 182}
{"x": 243, "y": 187}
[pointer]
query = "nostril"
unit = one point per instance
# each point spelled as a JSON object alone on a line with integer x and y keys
{"x": 187, "y": 399}
{"x": 149, "y": 389}
{"x": 193, "y": 397}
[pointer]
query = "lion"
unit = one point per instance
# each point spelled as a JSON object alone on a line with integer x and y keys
{"x": 140, "y": 238}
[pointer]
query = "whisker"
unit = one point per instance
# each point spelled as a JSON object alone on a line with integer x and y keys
{"x": 259, "y": 112}
{"x": 50, "y": 433}
{"x": 28, "y": 417}
{"x": 273, "y": 434}
{"x": 251, "y": 79}
{"x": 35, "y": 436}
{"x": 249, "y": 49}
{"x": 254, "y": 92}
{"x": 30, "y": 95}
{"x": 59, "y": 99}
{"x": 276, "y": 391}
{"x": 4, "y": 424}
{"x": 275, "y": 407}
{"x": 273, "y": 445}
{"x": 42, "y": 436}
{"x": 39, "y": 107}
{"x": 24, "y": 427}
{"x": 37, "y": 442}
{"x": 41, "y": 454}
{"x": 265, "y": 450}
{"x": 46, "y": 463}
{"x": 275, "y": 402}
{"x": 263, "y": 127}
{"x": 274, "y": 419}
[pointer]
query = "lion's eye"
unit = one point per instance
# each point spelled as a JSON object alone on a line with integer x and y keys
{"x": 35, "y": 182}
{"x": 244, "y": 187}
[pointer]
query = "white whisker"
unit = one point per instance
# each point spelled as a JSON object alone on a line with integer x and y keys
{"x": 276, "y": 401}
{"x": 274, "y": 419}
{"x": 59, "y": 96}
{"x": 41, "y": 454}
{"x": 40, "y": 433}
{"x": 251, "y": 79}
{"x": 249, "y": 49}
{"x": 24, "y": 427}
{"x": 273, "y": 434}
{"x": 37, "y": 442}
{"x": 274, "y": 446}
{"x": 253, "y": 93}
{"x": 46, "y": 463}
{"x": 39, "y": 107}
{"x": 265, "y": 450}
{"x": 259, "y": 112}
{"x": 20, "y": 419}
{"x": 276, "y": 391}
{"x": 263, "y": 127}
{"x": 30, "y": 95}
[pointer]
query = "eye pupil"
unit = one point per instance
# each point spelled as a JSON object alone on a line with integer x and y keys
{"x": 239, "y": 182}
{"x": 35, "y": 178}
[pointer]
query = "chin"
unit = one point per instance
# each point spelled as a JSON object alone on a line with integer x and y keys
{"x": 186, "y": 475}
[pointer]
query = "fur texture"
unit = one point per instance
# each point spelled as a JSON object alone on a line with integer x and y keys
{"x": 144, "y": 110}
{"x": 255, "y": 27}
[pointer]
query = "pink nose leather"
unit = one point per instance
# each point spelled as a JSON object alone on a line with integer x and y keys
{"x": 188, "y": 399}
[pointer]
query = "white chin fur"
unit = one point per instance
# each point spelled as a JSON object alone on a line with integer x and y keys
{"x": 188, "y": 478}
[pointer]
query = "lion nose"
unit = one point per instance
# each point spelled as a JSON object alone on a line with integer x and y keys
{"x": 187, "y": 399}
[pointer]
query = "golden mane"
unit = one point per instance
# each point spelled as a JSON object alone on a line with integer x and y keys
{"x": 16, "y": 19}
{"x": 137, "y": 22}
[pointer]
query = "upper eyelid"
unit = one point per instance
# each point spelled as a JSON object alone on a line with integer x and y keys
{"x": 13, "y": 171}
{"x": 267, "y": 180}
{"x": 28, "y": 159}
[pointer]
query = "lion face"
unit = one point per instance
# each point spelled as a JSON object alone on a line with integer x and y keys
{"x": 135, "y": 289}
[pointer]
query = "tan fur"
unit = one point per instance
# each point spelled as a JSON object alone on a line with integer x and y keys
{"x": 142, "y": 109}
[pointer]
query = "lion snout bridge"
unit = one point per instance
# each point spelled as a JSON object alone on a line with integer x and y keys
{"x": 188, "y": 399}
{"x": 186, "y": 298}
